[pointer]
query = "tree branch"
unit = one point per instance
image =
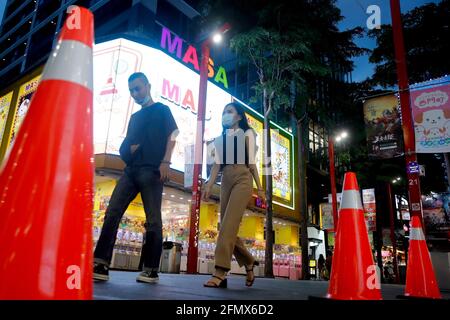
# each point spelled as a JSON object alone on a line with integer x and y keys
{"x": 258, "y": 68}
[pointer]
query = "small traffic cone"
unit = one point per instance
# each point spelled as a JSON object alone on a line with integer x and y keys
{"x": 46, "y": 184}
{"x": 420, "y": 278}
{"x": 353, "y": 272}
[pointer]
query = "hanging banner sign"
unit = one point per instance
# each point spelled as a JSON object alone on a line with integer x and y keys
{"x": 430, "y": 105}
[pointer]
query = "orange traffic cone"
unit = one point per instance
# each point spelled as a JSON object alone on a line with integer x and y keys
{"x": 353, "y": 272}
{"x": 46, "y": 184}
{"x": 420, "y": 278}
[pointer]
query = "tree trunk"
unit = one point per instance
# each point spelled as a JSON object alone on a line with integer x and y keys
{"x": 302, "y": 135}
{"x": 267, "y": 167}
{"x": 300, "y": 129}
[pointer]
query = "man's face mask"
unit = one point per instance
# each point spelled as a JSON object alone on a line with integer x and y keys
{"x": 143, "y": 101}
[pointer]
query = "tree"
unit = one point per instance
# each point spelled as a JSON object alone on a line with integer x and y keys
{"x": 279, "y": 56}
{"x": 291, "y": 44}
{"x": 426, "y": 29}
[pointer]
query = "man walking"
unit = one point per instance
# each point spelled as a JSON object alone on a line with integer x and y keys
{"x": 146, "y": 150}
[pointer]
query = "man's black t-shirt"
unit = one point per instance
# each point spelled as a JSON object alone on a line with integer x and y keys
{"x": 150, "y": 128}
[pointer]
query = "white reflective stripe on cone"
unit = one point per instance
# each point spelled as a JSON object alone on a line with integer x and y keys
{"x": 351, "y": 199}
{"x": 70, "y": 61}
{"x": 416, "y": 234}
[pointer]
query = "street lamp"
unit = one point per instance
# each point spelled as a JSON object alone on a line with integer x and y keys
{"x": 343, "y": 135}
{"x": 216, "y": 37}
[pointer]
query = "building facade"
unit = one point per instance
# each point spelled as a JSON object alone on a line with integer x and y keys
{"x": 28, "y": 33}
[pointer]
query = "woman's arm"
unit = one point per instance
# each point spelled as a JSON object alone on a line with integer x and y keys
{"x": 255, "y": 174}
{"x": 250, "y": 144}
{"x": 212, "y": 179}
{"x": 214, "y": 172}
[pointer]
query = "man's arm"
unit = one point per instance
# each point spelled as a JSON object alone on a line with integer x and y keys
{"x": 126, "y": 150}
{"x": 170, "y": 146}
{"x": 164, "y": 168}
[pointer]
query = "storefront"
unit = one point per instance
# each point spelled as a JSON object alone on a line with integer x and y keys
{"x": 175, "y": 215}
{"x": 175, "y": 84}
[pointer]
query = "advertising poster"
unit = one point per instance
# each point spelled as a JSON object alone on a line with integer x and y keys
{"x": 331, "y": 239}
{"x": 370, "y": 212}
{"x": 430, "y": 105}
{"x": 326, "y": 211}
{"x": 26, "y": 92}
{"x": 176, "y": 86}
{"x": 5, "y": 104}
{"x": 338, "y": 198}
{"x": 258, "y": 126}
{"x": 436, "y": 215}
{"x": 281, "y": 163}
{"x": 383, "y": 127}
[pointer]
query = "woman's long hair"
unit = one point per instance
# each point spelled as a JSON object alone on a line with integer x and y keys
{"x": 243, "y": 123}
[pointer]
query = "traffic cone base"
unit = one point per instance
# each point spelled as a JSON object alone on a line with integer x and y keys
{"x": 420, "y": 278}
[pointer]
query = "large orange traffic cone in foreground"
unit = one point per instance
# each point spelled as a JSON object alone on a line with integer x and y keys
{"x": 47, "y": 182}
{"x": 353, "y": 272}
{"x": 420, "y": 278}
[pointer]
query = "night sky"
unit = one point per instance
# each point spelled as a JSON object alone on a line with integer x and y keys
{"x": 354, "y": 12}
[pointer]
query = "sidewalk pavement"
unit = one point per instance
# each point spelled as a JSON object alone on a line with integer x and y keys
{"x": 123, "y": 286}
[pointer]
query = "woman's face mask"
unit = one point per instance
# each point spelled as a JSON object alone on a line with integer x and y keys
{"x": 228, "y": 120}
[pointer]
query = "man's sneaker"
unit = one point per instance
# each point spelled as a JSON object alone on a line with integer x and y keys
{"x": 148, "y": 277}
{"x": 101, "y": 272}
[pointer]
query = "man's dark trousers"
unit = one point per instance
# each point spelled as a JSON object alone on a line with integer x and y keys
{"x": 145, "y": 180}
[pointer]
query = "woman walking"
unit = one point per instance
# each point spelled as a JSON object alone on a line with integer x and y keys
{"x": 235, "y": 152}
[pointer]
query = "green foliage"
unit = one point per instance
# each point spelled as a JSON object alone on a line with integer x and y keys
{"x": 426, "y": 33}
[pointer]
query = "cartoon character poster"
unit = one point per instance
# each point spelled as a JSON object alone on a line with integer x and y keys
{"x": 383, "y": 127}
{"x": 26, "y": 92}
{"x": 430, "y": 106}
{"x": 5, "y": 103}
{"x": 280, "y": 166}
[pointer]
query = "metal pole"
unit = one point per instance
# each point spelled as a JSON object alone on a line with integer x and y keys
{"x": 378, "y": 234}
{"x": 198, "y": 162}
{"x": 393, "y": 239}
{"x": 414, "y": 195}
{"x": 333, "y": 181}
{"x": 447, "y": 167}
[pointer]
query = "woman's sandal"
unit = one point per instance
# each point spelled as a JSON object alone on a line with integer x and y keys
{"x": 249, "y": 282}
{"x": 212, "y": 284}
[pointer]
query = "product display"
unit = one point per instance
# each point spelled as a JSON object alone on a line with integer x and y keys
{"x": 175, "y": 218}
